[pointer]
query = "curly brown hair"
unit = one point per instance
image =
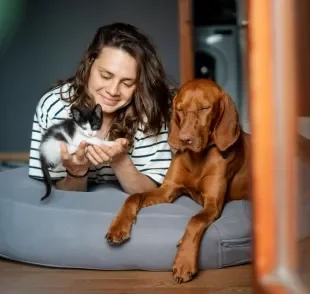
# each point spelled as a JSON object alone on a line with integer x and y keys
{"x": 152, "y": 97}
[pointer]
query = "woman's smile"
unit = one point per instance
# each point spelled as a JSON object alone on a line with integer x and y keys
{"x": 108, "y": 100}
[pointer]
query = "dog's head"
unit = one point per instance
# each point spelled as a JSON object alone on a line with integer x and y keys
{"x": 203, "y": 113}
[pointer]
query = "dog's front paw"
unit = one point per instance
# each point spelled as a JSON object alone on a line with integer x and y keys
{"x": 119, "y": 231}
{"x": 184, "y": 268}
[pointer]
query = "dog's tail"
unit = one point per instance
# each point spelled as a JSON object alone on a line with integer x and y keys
{"x": 47, "y": 178}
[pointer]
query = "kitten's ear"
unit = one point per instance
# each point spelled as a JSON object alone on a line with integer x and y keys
{"x": 76, "y": 114}
{"x": 98, "y": 110}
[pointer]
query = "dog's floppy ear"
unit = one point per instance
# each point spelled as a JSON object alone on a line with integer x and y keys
{"x": 227, "y": 128}
{"x": 174, "y": 129}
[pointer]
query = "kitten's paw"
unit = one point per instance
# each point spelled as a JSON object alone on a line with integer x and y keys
{"x": 71, "y": 149}
{"x": 93, "y": 141}
{"x": 108, "y": 143}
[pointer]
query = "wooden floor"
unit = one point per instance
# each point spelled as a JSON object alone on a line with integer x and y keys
{"x": 16, "y": 278}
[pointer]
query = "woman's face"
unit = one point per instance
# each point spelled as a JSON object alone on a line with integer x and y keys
{"x": 113, "y": 79}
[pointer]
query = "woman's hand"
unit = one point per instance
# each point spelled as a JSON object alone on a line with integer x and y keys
{"x": 77, "y": 163}
{"x": 107, "y": 154}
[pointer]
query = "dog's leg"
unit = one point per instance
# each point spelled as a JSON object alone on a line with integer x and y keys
{"x": 185, "y": 264}
{"x": 120, "y": 228}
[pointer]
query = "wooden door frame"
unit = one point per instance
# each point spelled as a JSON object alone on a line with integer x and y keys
{"x": 186, "y": 47}
{"x": 273, "y": 96}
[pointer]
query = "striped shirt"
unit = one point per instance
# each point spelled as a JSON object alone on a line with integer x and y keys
{"x": 150, "y": 154}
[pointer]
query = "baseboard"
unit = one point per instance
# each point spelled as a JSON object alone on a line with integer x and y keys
{"x": 12, "y": 156}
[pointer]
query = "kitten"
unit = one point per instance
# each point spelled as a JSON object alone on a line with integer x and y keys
{"x": 83, "y": 126}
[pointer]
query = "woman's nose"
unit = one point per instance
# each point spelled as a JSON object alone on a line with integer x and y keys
{"x": 113, "y": 88}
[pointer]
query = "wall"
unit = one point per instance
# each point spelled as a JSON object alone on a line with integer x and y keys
{"x": 50, "y": 41}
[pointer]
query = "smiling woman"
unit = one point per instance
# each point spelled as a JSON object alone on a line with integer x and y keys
{"x": 121, "y": 71}
{"x": 112, "y": 80}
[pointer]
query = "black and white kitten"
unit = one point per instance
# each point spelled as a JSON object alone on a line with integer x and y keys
{"x": 83, "y": 126}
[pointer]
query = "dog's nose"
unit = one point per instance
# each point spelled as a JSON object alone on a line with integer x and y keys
{"x": 186, "y": 139}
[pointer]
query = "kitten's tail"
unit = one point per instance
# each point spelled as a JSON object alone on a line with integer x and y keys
{"x": 47, "y": 178}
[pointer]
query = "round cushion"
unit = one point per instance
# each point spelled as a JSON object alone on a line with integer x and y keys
{"x": 69, "y": 230}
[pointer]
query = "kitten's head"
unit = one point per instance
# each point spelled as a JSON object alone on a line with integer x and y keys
{"x": 88, "y": 120}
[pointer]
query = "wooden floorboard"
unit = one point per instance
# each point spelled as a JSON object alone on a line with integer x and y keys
{"x": 17, "y": 278}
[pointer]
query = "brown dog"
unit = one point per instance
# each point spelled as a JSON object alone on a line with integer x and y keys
{"x": 210, "y": 165}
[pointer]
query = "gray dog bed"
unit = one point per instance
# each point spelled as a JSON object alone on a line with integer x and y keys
{"x": 69, "y": 230}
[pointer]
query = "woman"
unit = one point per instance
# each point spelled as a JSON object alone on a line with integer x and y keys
{"x": 122, "y": 72}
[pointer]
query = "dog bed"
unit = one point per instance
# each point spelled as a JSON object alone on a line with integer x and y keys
{"x": 69, "y": 230}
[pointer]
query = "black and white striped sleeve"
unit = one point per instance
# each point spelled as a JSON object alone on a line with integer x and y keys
{"x": 42, "y": 121}
{"x": 152, "y": 155}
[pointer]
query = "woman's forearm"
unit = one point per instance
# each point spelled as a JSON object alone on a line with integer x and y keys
{"x": 72, "y": 184}
{"x": 130, "y": 178}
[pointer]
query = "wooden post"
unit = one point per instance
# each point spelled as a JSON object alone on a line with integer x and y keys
{"x": 186, "y": 41}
